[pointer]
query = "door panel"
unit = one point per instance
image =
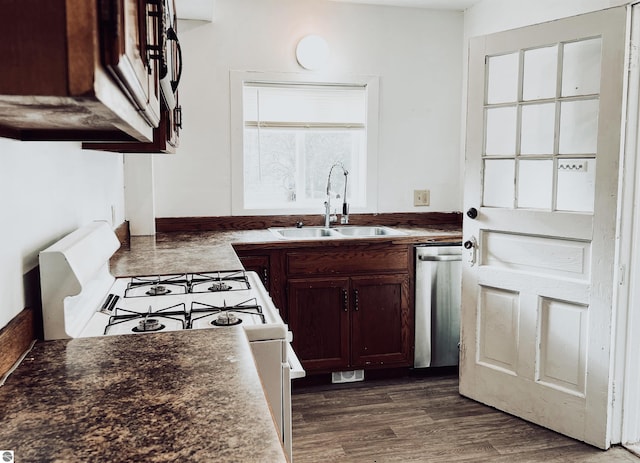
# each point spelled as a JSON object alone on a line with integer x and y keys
{"x": 544, "y": 107}
{"x": 563, "y": 328}
{"x": 499, "y": 312}
{"x": 534, "y": 254}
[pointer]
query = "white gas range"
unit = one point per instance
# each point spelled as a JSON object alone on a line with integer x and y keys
{"x": 80, "y": 298}
{"x": 143, "y": 304}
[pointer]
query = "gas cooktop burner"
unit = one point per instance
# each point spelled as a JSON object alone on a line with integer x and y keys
{"x": 226, "y": 319}
{"x": 219, "y": 286}
{"x": 157, "y": 285}
{"x": 158, "y": 290}
{"x": 148, "y": 324}
{"x": 229, "y": 280}
{"x": 247, "y": 311}
{"x": 126, "y": 321}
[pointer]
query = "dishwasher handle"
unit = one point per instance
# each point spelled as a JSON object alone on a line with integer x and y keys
{"x": 441, "y": 258}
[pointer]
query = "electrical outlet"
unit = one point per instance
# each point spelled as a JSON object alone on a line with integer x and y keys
{"x": 420, "y": 197}
{"x": 573, "y": 166}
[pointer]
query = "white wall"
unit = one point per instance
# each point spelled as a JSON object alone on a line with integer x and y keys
{"x": 416, "y": 53}
{"x": 46, "y": 191}
{"x": 499, "y": 15}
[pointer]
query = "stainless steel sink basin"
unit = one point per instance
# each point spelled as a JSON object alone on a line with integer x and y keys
{"x": 305, "y": 233}
{"x": 368, "y": 231}
{"x": 314, "y": 233}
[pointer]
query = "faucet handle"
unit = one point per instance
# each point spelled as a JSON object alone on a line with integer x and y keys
{"x": 344, "y": 218}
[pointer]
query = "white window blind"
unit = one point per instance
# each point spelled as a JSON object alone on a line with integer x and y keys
{"x": 308, "y": 105}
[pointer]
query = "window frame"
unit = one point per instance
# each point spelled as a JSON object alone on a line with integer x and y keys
{"x": 237, "y": 81}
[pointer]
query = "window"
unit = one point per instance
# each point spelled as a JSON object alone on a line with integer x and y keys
{"x": 290, "y": 134}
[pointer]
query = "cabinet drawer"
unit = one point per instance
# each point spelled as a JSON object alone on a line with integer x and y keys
{"x": 347, "y": 262}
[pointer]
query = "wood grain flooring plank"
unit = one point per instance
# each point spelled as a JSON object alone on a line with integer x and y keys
{"x": 419, "y": 419}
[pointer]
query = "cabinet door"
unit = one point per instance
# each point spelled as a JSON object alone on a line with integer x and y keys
{"x": 129, "y": 33}
{"x": 319, "y": 320}
{"x": 258, "y": 264}
{"x": 381, "y": 332}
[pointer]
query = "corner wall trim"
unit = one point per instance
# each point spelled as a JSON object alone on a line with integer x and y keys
{"x": 15, "y": 339}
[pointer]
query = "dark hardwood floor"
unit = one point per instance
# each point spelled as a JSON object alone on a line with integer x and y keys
{"x": 421, "y": 419}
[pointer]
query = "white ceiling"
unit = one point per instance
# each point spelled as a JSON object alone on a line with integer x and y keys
{"x": 436, "y": 4}
{"x": 203, "y": 9}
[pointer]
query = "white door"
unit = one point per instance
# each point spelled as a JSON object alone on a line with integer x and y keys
{"x": 543, "y": 145}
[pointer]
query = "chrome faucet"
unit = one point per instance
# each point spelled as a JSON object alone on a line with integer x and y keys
{"x": 328, "y": 217}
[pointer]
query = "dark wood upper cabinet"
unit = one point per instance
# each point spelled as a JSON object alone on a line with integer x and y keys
{"x": 165, "y": 137}
{"x": 129, "y": 37}
{"x": 79, "y": 70}
{"x": 162, "y": 50}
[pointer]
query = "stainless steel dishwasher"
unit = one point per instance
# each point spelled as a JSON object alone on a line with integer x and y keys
{"x": 437, "y": 315}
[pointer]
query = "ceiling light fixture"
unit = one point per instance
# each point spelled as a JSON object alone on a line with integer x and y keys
{"x": 312, "y": 52}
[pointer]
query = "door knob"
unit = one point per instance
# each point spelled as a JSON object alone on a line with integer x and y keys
{"x": 471, "y": 245}
{"x": 472, "y": 213}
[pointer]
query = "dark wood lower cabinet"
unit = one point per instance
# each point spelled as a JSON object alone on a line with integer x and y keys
{"x": 259, "y": 264}
{"x": 320, "y": 322}
{"x": 344, "y": 323}
{"x": 380, "y": 321}
{"x": 266, "y": 265}
{"x": 349, "y": 305}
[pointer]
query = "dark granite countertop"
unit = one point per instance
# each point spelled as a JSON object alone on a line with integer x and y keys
{"x": 203, "y": 251}
{"x": 160, "y": 397}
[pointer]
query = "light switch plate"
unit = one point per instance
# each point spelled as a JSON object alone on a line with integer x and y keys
{"x": 420, "y": 197}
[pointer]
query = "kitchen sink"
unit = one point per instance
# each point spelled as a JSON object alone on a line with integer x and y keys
{"x": 305, "y": 233}
{"x": 368, "y": 231}
{"x": 310, "y": 233}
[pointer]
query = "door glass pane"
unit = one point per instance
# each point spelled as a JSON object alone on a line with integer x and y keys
{"x": 538, "y": 128}
{"x": 535, "y": 184}
{"x": 498, "y": 185}
{"x": 501, "y": 131}
{"x": 502, "y": 78}
{"x": 576, "y": 185}
{"x": 578, "y": 127}
{"x": 540, "y": 74}
{"x": 581, "y": 67}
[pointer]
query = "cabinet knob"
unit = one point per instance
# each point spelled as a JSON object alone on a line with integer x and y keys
{"x": 355, "y": 294}
{"x": 472, "y": 213}
{"x": 345, "y": 300}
